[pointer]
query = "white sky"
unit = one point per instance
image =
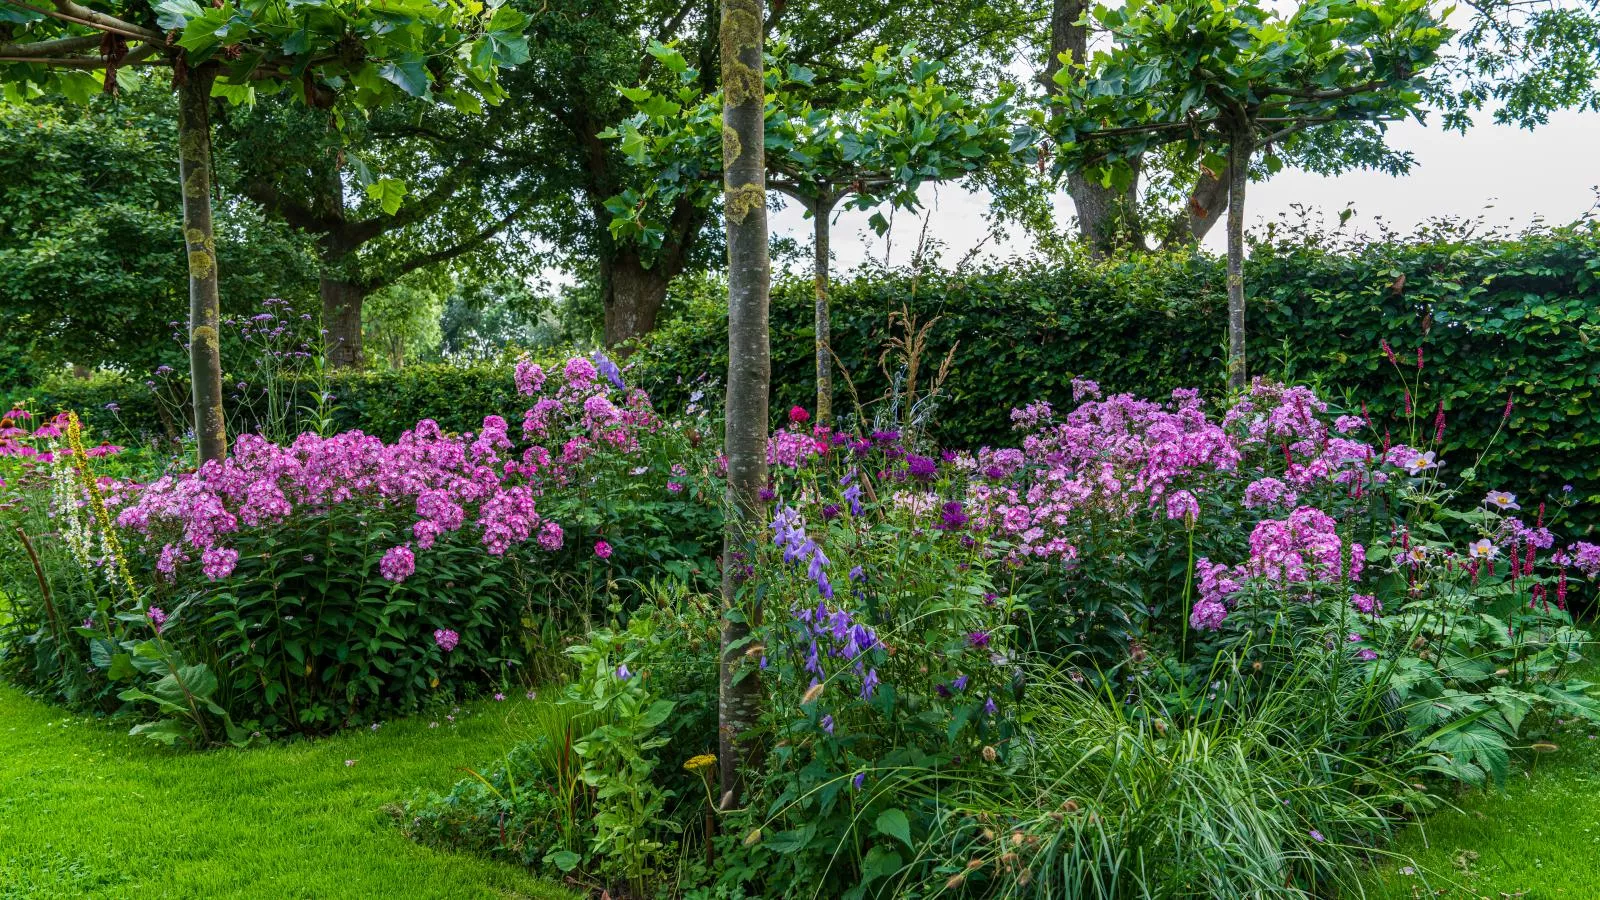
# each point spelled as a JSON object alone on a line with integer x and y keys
{"x": 1509, "y": 176}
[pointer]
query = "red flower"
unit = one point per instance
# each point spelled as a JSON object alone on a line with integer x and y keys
{"x": 798, "y": 415}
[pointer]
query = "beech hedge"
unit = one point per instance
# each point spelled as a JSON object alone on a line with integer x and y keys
{"x": 1501, "y": 319}
{"x": 1496, "y": 319}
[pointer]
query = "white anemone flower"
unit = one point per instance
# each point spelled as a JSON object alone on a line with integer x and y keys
{"x": 1501, "y": 500}
{"x": 1421, "y": 462}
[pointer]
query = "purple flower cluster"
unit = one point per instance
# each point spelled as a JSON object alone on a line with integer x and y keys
{"x": 1304, "y": 547}
{"x": 397, "y": 564}
{"x": 445, "y": 481}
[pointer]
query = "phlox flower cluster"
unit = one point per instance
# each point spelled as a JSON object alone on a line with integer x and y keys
{"x": 1305, "y": 547}
{"x": 444, "y": 483}
{"x": 1114, "y": 457}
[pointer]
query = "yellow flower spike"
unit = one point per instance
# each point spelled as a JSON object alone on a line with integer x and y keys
{"x": 97, "y": 505}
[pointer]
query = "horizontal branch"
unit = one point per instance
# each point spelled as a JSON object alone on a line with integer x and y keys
{"x": 54, "y": 47}
{"x": 135, "y": 57}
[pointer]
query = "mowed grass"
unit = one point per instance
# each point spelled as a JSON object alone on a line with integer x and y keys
{"x": 87, "y": 811}
{"x": 1539, "y": 838}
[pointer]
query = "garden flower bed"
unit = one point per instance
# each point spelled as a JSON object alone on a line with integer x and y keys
{"x": 1147, "y": 635}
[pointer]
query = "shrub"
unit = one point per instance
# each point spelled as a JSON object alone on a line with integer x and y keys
{"x": 1226, "y": 610}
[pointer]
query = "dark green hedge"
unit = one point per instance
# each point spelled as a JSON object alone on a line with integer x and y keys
{"x": 383, "y": 403}
{"x": 1496, "y": 318}
{"x": 1499, "y": 318}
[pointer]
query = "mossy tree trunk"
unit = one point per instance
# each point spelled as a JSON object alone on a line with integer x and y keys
{"x": 821, "y": 213}
{"x": 1239, "y": 150}
{"x": 194, "y": 171}
{"x": 749, "y": 377}
{"x": 342, "y": 301}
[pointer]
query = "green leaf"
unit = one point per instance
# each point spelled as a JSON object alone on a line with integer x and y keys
{"x": 408, "y": 74}
{"x": 389, "y": 192}
{"x": 173, "y": 15}
{"x": 893, "y": 822}
{"x": 565, "y": 860}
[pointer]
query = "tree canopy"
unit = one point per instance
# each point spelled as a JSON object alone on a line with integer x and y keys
{"x": 1214, "y": 85}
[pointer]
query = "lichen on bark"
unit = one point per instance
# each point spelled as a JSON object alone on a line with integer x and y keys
{"x": 743, "y": 199}
{"x": 201, "y": 265}
{"x": 196, "y": 185}
{"x": 741, "y": 30}
{"x": 731, "y": 148}
{"x": 204, "y": 335}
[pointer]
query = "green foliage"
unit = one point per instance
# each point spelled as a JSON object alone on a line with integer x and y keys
{"x": 1496, "y": 319}
{"x": 367, "y": 53}
{"x": 875, "y": 135}
{"x": 1206, "y": 76}
{"x": 613, "y": 771}
{"x": 1528, "y": 60}
{"x": 1112, "y": 801}
{"x": 91, "y": 256}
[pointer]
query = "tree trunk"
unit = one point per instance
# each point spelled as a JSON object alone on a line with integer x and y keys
{"x": 1207, "y": 202}
{"x": 749, "y": 378}
{"x": 632, "y": 295}
{"x": 194, "y": 171}
{"x": 341, "y": 320}
{"x": 821, "y": 211}
{"x": 1238, "y": 175}
{"x": 1107, "y": 217}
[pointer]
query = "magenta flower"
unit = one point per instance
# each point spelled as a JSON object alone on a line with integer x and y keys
{"x": 602, "y": 549}
{"x": 551, "y": 536}
{"x": 397, "y": 564}
{"x": 218, "y": 562}
{"x": 1183, "y": 505}
{"x": 157, "y": 618}
{"x": 446, "y": 639}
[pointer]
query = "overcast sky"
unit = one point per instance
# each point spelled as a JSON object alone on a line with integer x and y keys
{"x": 1509, "y": 176}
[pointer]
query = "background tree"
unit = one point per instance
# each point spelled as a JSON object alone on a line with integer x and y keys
{"x": 411, "y": 188}
{"x": 1217, "y": 85}
{"x": 362, "y": 54}
{"x": 583, "y": 49}
{"x": 91, "y": 256}
{"x": 875, "y": 136}
{"x": 1528, "y": 58}
{"x": 749, "y": 374}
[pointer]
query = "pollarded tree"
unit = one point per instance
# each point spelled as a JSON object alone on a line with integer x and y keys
{"x": 744, "y": 203}
{"x": 1218, "y": 84}
{"x": 873, "y": 136}
{"x": 359, "y": 55}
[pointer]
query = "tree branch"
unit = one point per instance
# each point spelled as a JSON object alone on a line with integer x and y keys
{"x": 1326, "y": 95}
{"x": 135, "y": 57}
{"x": 663, "y": 33}
{"x": 68, "y": 11}
{"x": 68, "y": 45}
{"x": 454, "y": 250}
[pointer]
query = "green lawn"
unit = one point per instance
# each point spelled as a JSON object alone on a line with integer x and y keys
{"x": 86, "y": 811}
{"x": 1538, "y": 839}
